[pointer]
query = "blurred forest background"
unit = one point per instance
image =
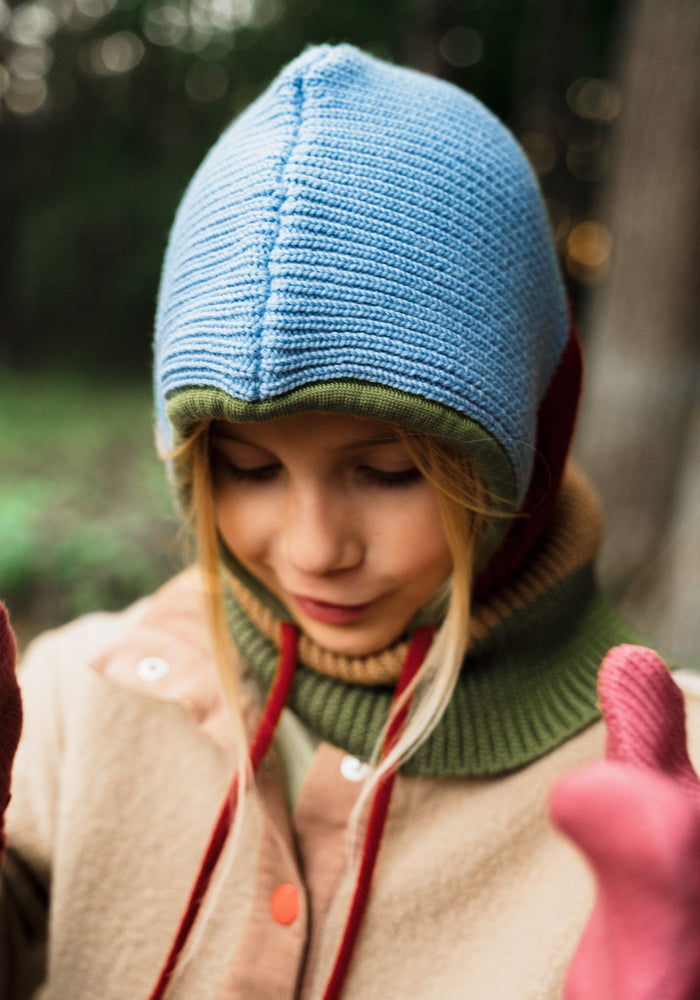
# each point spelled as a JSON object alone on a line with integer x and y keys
{"x": 107, "y": 107}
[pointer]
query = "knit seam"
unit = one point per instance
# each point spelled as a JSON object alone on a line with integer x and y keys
{"x": 285, "y": 157}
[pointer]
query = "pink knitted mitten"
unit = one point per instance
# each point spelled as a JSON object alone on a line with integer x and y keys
{"x": 636, "y": 815}
{"x": 10, "y": 712}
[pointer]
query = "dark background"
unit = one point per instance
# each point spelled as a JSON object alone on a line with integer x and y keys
{"x": 107, "y": 107}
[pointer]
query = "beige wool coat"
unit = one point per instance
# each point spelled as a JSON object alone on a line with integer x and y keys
{"x": 120, "y": 774}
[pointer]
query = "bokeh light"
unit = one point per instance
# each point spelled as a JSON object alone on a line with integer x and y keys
{"x": 26, "y": 96}
{"x": 94, "y": 9}
{"x": 461, "y": 46}
{"x": 31, "y": 24}
{"x": 165, "y": 24}
{"x": 117, "y": 53}
{"x": 588, "y": 250}
{"x": 594, "y": 98}
{"x": 30, "y": 62}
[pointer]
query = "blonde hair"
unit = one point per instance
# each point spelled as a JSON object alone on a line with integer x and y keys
{"x": 193, "y": 476}
{"x": 464, "y": 507}
{"x": 463, "y": 504}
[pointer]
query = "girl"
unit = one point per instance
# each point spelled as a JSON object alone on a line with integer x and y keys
{"x": 317, "y": 765}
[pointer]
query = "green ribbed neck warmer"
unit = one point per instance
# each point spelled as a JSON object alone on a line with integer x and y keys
{"x": 524, "y": 689}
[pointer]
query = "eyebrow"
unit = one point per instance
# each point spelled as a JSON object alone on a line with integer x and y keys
{"x": 355, "y": 445}
{"x": 366, "y": 442}
{"x": 230, "y": 436}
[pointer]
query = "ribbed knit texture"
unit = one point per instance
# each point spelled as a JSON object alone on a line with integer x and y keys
{"x": 528, "y": 682}
{"x": 364, "y": 221}
{"x": 524, "y": 693}
{"x": 645, "y": 715}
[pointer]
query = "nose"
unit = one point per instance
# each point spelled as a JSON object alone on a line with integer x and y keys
{"x": 321, "y": 535}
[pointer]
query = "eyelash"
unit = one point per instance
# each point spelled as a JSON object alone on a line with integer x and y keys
{"x": 258, "y": 474}
{"x": 265, "y": 473}
{"x": 391, "y": 480}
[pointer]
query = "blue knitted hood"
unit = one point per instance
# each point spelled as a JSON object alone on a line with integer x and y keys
{"x": 365, "y": 226}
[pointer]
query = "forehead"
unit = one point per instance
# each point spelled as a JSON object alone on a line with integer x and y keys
{"x": 328, "y": 430}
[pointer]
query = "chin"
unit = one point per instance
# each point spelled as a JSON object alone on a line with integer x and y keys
{"x": 349, "y": 644}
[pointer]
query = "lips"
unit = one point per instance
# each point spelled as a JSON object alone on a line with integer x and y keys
{"x": 331, "y": 614}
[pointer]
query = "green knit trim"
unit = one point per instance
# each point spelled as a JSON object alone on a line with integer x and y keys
{"x": 525, "y": 689}
{"x": 185, "y": 407}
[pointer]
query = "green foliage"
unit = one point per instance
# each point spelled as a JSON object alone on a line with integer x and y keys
{"x": 86, "y": 520}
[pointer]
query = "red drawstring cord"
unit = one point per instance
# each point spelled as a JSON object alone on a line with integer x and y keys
{"x": 419, "y": 646}
{"x": 259, "y": 747}
{"x": 380, "y": 806}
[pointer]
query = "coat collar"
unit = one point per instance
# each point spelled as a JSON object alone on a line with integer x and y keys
{"x": 167, "y": 655}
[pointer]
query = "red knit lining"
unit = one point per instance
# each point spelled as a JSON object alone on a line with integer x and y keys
{"x": 556, "y": 419}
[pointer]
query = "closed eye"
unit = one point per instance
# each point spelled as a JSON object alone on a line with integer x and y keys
{"x": 390, "y": 478}
{"x": 224, "y": 468}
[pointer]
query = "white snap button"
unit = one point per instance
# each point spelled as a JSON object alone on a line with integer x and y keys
{"x": 152, "y": 668}
{"x": 353, "y": 769}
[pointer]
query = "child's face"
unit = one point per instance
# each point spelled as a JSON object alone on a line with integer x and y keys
{"x": 331, "y": 515}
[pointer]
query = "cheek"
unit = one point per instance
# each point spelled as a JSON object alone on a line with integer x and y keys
{"x": 242, "y": 526}
{"x": 419, "y": 545}
{"x": 433, "y": 560}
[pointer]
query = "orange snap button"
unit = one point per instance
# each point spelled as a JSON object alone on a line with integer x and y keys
{"x": 284, "y": 903}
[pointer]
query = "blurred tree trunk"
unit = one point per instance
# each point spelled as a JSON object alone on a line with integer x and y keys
{"x": 640, "y": 426}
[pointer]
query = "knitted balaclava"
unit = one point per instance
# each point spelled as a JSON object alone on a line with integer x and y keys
{"x": 366, "y": 239}
{"x": 363, "y": 225}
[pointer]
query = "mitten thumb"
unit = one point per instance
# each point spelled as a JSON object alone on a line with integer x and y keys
{"x": 644, "y": 715}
